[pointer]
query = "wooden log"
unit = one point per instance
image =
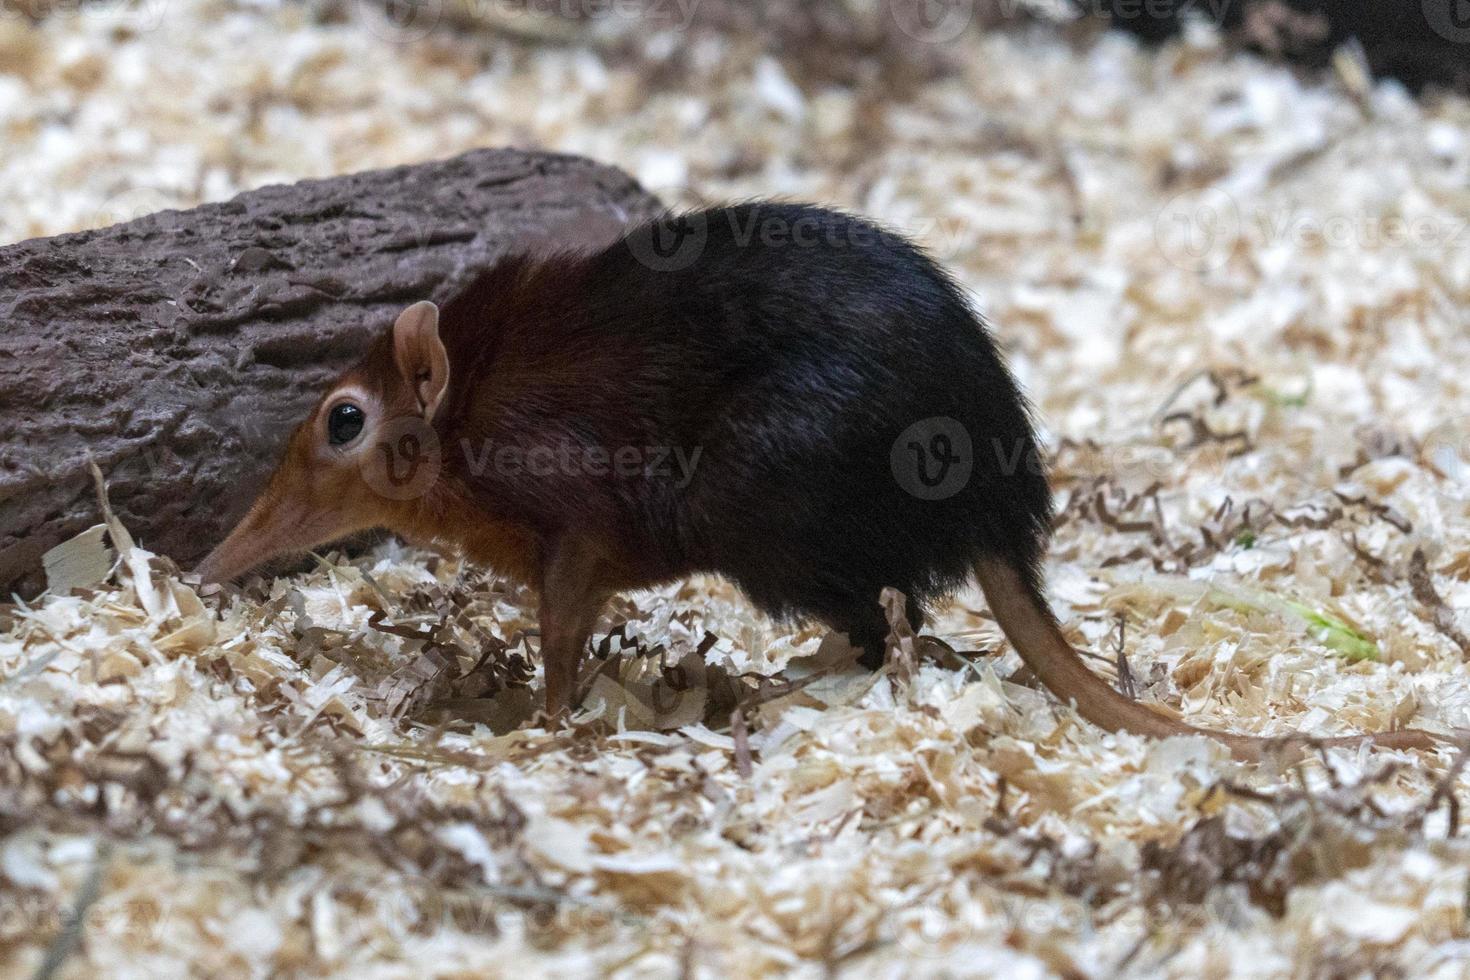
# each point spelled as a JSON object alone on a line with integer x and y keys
{"x": 179, "y": 349}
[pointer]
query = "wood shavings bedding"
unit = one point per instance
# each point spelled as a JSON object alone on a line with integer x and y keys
{"x": 275, "y": 783}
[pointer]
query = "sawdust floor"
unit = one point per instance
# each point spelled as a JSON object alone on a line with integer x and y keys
{"x": 1239, "y": 301}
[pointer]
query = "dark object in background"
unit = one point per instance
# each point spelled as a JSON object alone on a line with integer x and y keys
{"x": 897, "y": 42}
{"x": 887, "y": 48}
{"x": 179, "y": 349}
{"x": 1419, "y": 42}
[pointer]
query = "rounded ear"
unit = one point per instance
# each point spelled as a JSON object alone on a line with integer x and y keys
{"x": 420, "y": 355}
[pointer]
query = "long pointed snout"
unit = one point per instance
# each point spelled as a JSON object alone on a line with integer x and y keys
{"x": 274, "y": 527}
{"x": 256, "y": 539}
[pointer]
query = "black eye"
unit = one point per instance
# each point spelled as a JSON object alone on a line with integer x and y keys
{"x": 344, "y": 423}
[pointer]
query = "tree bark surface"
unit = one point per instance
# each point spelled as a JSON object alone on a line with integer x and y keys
{"x": 179, "y": 350}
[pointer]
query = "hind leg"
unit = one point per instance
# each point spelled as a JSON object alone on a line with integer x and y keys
{"x": 867, "y": 629}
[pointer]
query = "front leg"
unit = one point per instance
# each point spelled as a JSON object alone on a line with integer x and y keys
{"x": 572, "y": 594}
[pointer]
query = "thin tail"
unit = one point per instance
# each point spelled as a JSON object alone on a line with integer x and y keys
{"x": 1032, "y": 629}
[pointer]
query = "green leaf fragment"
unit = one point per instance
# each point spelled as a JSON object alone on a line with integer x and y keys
{"x": 1338, "y": 636}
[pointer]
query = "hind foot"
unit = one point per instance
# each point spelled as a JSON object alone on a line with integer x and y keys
{"x": 868, "y": 632}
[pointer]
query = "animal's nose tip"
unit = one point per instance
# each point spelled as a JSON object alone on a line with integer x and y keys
{"x": 208, "y": 568}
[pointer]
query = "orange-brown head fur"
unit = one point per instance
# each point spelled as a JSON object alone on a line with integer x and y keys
{"x": 386, "y": 472}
